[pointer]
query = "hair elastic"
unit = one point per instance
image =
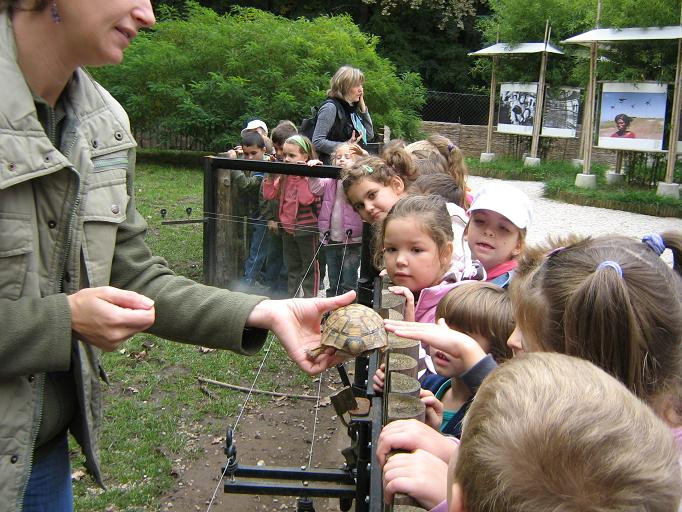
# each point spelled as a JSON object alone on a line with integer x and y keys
{"x": 554, "y": 251}
{"x": 655, "y": 243}
{"x": 304, "y": 144}
{"x": 367, "y": 169}
{"x": 612, "y": 264}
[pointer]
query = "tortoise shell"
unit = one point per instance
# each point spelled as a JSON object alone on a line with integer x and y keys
{"x": 354, "y": 329}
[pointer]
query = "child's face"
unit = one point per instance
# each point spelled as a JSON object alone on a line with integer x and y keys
{"x": 493, "y": 239}
{"x": 343, "y": 157}
{"x": 516, "y": 341}
{"x": 279, "y": 152}
{"x": 253, "y": 152}
{"x": 373, "y": 200}
{"x": 294, "y": 153}
{"x": 455, "y": 500}
{"x": 448, "y": 366}
{"x": 411, "y": 256}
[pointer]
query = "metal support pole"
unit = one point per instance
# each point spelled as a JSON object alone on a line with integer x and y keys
{"x": 588, "y": 119}
{"x": 491, "y": 107}
{"x": 537, "y": 118}
{"x": 675, "y": 121}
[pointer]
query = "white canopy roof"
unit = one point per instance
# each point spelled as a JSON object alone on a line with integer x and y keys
{"x": 510, "y": 49}
{"x": 599, "y": 35}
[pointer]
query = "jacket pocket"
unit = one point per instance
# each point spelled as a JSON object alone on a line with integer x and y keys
{"x": 105, "y": 209}
{"x": 16, "y": 246}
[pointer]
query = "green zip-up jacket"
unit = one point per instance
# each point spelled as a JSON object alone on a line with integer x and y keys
{"x": 68, "y": 221}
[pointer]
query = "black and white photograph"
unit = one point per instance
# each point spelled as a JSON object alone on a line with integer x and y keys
{"x": 560, "y": 112}
{"x": 517, "y": 108}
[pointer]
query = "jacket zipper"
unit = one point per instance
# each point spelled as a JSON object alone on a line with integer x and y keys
{"x": 34, "y": 436}
{"x": 62, "y": 271}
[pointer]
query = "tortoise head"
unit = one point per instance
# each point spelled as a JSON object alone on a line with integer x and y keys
{"x": 354, "y": 345}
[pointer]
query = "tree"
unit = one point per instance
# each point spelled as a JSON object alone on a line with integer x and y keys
{"x": 516, "y": 21}
{"x": 204, "y": 74}
{"x": 452, "y": 11}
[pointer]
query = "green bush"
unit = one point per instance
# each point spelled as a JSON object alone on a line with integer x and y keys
{"x": 205, "y": 75}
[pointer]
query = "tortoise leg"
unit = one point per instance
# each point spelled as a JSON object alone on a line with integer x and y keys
{"x": 312, "y": 353}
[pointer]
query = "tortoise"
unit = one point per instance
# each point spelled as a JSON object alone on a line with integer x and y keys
{"x": 352, "y": 330}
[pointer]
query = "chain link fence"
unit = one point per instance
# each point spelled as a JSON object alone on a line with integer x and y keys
{"x": 456, "y": 107}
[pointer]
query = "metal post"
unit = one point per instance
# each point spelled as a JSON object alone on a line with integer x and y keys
{"x": 491, "y": 107}
{"x": 675, "y": 121}
{"x": 537, "y": 118}
{"x": 588, "y": 119}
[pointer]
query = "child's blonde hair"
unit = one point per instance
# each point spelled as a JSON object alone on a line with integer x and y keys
{"x": 613, "y": 301}
{"x": 393, "y": 162}
{"x": 549, "y": 432}
{"x": 480, "y": 308}
{"x": 441, "y": 154}
{"x": 304, "y": 143}
{"x": 430, "y": 212}
{"x": 353, "y": 148}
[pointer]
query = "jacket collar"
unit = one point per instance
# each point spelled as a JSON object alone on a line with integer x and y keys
{"x": 26, "y": 151}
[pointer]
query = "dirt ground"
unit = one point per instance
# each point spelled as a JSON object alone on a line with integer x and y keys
{"x": 278, "y": 433}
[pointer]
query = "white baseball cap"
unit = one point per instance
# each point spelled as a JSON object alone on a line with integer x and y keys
{"x": 506, "y": 200}
{"x": 253, "y": 124}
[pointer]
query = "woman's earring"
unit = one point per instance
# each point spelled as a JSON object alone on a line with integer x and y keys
{"x": 55, "y": 12}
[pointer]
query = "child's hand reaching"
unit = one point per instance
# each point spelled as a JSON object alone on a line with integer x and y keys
{"x": 379, "y": 379}
{"x": 434, "y": 409}
{"x": 420, "y": 474}
{"x": 313, "y": 162}
{"x": 356, "y": 150}
{"x": 408, "y": 313}
{"x": 453, "y": 343}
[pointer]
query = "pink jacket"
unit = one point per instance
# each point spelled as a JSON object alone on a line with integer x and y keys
{"x": 332, "y": 205}
{"x": 425, "y": 308}
{"x": 295, "y": 201}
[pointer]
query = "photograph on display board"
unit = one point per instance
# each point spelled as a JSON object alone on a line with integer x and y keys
{"x": 560, "y": 116}
{"x": 517, "y": 108}
{"x": 632, "y": 116}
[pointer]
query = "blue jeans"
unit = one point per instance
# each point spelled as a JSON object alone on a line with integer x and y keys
{"x": 349, "y": 272}
{"x": 49, "y": 486}
{"x": 257, "y": 252}
{"x": 276, "y": 269}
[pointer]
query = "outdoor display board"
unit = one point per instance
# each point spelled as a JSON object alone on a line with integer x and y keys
{"x": 517, "y": 108}
{"x": 632, "y": 116}
{"x": 560, "y": 113}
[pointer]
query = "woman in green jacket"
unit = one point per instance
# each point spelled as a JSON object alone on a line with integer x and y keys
{"x": 75, "y": 274}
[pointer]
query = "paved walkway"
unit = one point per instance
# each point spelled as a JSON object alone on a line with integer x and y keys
{"x": 555, "y": 217}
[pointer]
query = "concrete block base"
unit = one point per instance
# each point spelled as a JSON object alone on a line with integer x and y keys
{"x": 586, "y": 181}
{"x": 668, "y": 190}
{"x": 487, "y": 157}
{"x": 531, "y": 162}
{"x": 577, "y": 163}
{"x": 614, "y": 178}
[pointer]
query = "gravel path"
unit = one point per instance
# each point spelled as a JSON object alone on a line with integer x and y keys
{"x": 555, "y": 217}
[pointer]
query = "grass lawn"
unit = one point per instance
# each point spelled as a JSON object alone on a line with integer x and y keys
{"x": 153, "y": 408}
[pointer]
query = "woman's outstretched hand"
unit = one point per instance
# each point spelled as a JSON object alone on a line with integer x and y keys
{"x": 296, "y": 323}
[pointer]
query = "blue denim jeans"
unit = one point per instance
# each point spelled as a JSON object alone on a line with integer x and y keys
{"x": 49, "y": 486}
{"x": 275, "y": 268}
{"x": 257, "y": 252}
{"x": 349, "y": 273}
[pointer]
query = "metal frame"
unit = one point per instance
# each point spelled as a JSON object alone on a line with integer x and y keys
{"x": 361, "y": 483}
